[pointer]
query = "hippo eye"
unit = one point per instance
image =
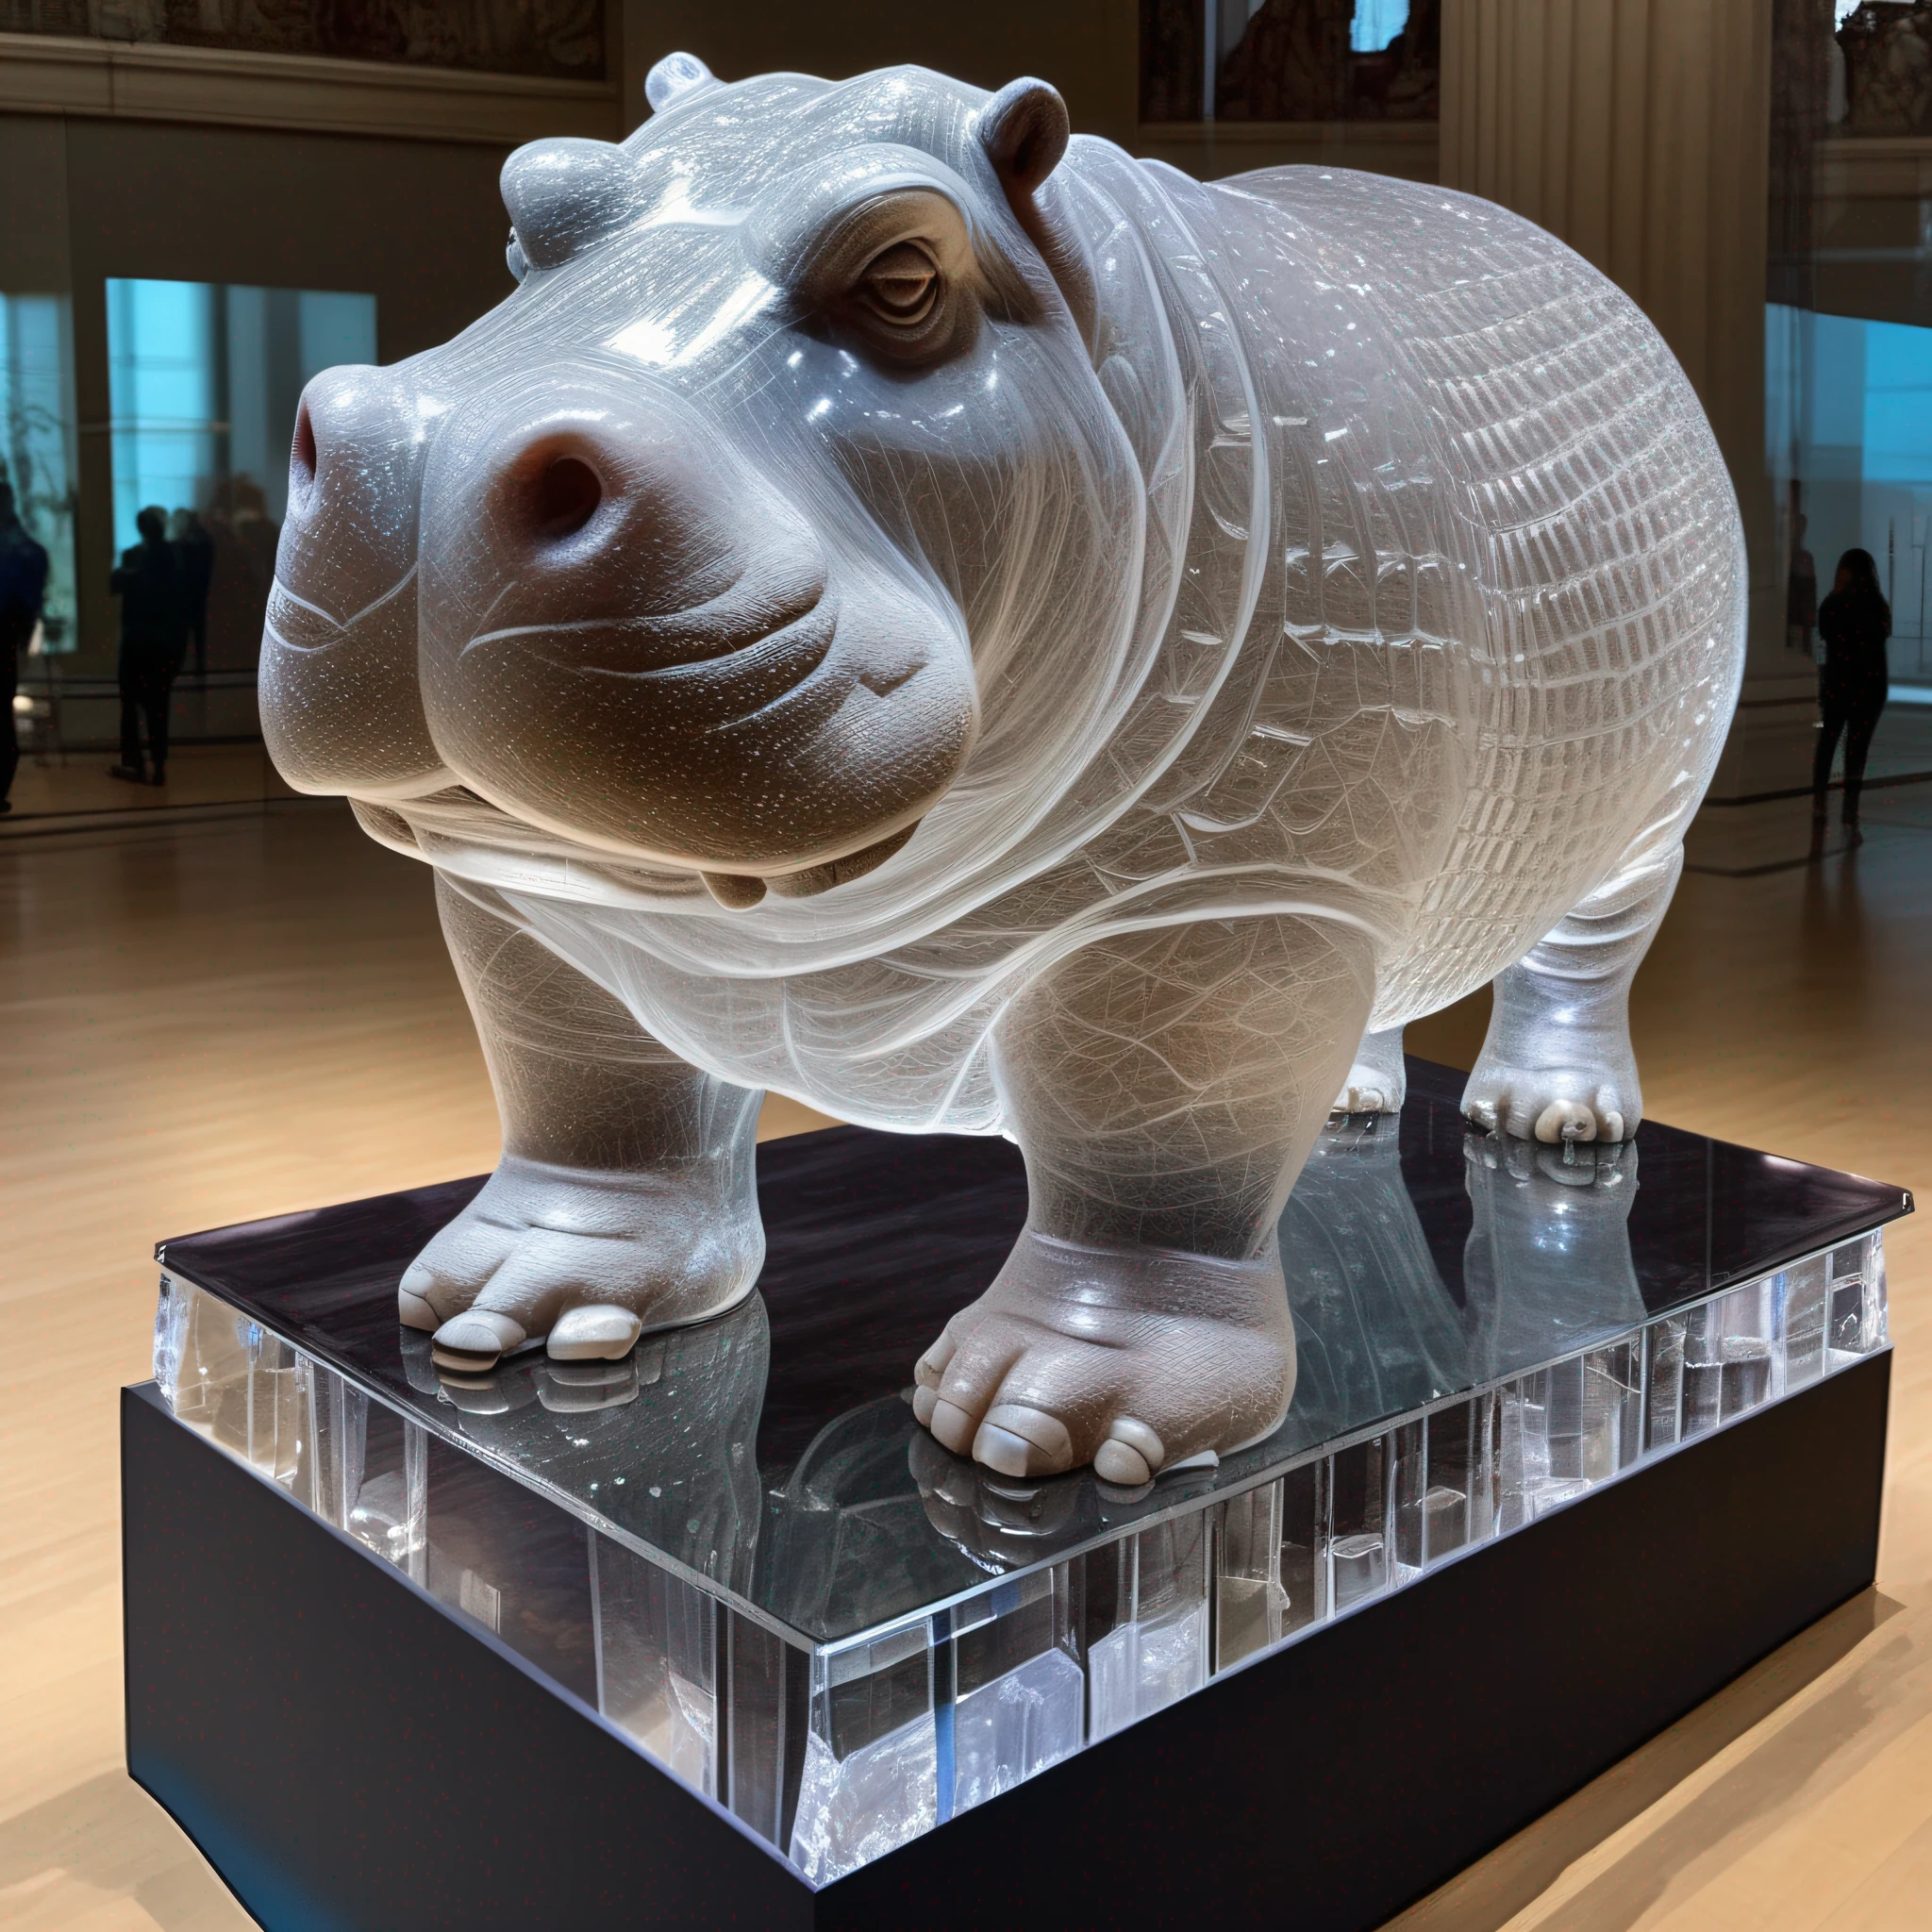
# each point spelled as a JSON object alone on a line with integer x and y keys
{"x": 902, "y": 284}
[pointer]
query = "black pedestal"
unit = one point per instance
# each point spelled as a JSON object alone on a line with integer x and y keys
{"x": 348, "y": 1753}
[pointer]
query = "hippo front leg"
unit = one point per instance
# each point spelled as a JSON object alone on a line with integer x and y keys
{"x": 625, "y": 1198}
{"x": 1165, "y": 1088}
{"x": 1556, "y": 1064}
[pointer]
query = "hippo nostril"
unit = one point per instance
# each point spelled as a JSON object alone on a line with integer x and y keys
{"x": 301, "y": 451}
{"x": 568, "y": 493}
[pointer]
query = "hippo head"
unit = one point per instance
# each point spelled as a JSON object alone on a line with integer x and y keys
{"x": 723, "y": 540}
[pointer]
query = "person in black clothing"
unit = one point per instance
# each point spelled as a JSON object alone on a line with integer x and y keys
{"x": 23, "y": 594}
{"x": 194, "y": 550}
{"x": 154, "y": 640}
{"x": 1853, "y": 681}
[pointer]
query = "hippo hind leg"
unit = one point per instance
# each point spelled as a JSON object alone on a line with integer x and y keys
{"x": 1166, "y": 1088}
{"x": 625, "y": 1201}
{"x": 1378, "y": 1080}
{"x": 1556, "y": 1064}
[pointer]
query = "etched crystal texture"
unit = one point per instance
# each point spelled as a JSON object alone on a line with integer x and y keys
{"x": 977, "y": 632}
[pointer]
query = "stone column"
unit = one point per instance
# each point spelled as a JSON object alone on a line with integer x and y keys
{"x": 1638, "y": 130}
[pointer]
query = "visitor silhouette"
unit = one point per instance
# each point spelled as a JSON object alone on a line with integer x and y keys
{"x": 1852, "y": 680}
{"x": 23, "y": 594}
{"x": 194, "y": 550}
{"x": 154, "y": 640}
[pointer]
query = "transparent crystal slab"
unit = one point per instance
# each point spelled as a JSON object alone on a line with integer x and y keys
{"x": 740, "y": 1549}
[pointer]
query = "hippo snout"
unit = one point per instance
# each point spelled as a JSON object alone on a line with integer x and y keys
{"x": 341, "y": 703}
{"x": 747, "y": 685}
{"x": 574, "y": 595}
{"x": 563, "y": 531}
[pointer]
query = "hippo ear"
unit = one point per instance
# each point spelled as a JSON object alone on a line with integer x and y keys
{"x": 562, "y": 195}
{"x": 1023, "y": 129}
{"x": 675, "y": 78}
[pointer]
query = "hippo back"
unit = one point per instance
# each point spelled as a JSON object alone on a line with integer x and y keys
{"x": 1509, "y": 572}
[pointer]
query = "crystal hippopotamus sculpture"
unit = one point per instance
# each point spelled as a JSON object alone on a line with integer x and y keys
{"x": 983, "y": 634}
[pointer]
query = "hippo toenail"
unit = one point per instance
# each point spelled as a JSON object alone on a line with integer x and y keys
{"x": 1046, "y": 1434}
{"x": 476, "y": 1339}
{"x": 1138, "y": 1436}
{"x": 951, "y": 1425}
{"x": 1566, "y": 1120}
{"x": 1115, "y": 1462}
{"x": 594, "y": 1334}
{"x": 999, "y": 1450}
{"x": 413, "y": 1312}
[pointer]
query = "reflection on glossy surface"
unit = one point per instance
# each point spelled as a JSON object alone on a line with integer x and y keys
{"x": 1001, "y": 1523}
{"x": 1546, "y": 1219}
{"x": 1376, "y": 1330}
{"x": 1546, "y": 1267}
{"x": 658, "y": 1443}
{"x": 845, "y": 1634}
{"x": 564, "y": 1388}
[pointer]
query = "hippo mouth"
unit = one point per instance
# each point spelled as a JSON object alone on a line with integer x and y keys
{"x": 740, "y": 891}
{"x": 739, "y": 680}
{"x": 753, "y": 628}
{"x": 744, "y": 708}
{"x": 464, "y": 816}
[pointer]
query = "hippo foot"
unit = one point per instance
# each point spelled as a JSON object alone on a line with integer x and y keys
{"x": 1134, "y": 1360}
{"x": 1367, "y": 1089}
{"x": 1548, "y": 1105}
{"x": 581, "y": 1260}
{"x": 1378, "y": 1081}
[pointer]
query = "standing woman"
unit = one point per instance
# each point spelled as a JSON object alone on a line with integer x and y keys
{"x": 1854, "y": 623}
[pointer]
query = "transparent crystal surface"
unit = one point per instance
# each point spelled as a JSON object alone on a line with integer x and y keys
{"x": 1803, "y": 1298}
{"x": 766, "y": 1716}
{"x": 1016, "y": 1726}
{"x": 231, "y": 1378}
{"x": 872, "y": 1772}
{"x": 854, "y": 1809}
{"x": 835, "y": 1753}
{"x": 1359, "y": 1549}
{"x": 1019, "y": 1692}
{"x": 1306, "y": 1594}
{"x": 1147, "y": 1621}
{"x": 1251, "y": 1600}
{"x": 1663, "y": 1343}
{"x": 657, "y": 1660}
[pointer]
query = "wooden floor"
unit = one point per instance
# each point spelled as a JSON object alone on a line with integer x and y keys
{"x": 78, "y": 784}
{"x": 203, "y": 1022}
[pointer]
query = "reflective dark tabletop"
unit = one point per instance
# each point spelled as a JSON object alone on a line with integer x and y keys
{"x": 774, "y": 1453}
